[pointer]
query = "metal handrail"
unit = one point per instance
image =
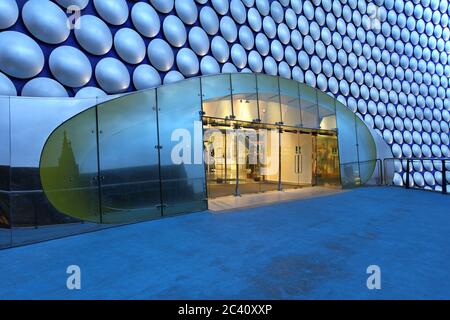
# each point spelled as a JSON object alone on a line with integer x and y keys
{"x": 409, "y": 169}
{"x": 377, "y": 161}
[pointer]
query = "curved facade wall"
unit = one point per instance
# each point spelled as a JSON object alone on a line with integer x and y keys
{"x": 50, "y": 181}
{"x": 387, "y": 60}
{"x": 84, "y": 176}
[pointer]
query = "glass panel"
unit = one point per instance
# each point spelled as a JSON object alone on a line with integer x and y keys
{"x": 181, "y": 153}
{"x": 296, "y": 159}
{"x": 289, "y": 159}
{"x": 249, "y": 173}
{"x": 347, "y": 134}
{"x": 30, "y": 128}
{"x": 220, "y": 160}
{"x": 290, "y": 103}
{"x": 374, "y": 168}
{"x": 268, "y": 99}
{"x": 5, "y": 220}
{"x": 350, "y": 175}
{"x": 129, "y": 169}
{"x": 231, "y": 173}
{"x": 308, "y": 104}
{"x": 5, "y": 144}
{"x": 245, "y": 106}
{"x": 258, "y": 156}
{"x": 327, "y": 111}
{"x": 69, "y": 168}
{"x": 35, "y": 219}
{"x": 305, "y": 161}
{"x": 327, "y": 160}
{"x": 446, "y": 176}
{"x": 269, "y": 158}
{"x": 366, "y": 150}
{"x": 33, "y": 209}
{"x": 216, "y": 92}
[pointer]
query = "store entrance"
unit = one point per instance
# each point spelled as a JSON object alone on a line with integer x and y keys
{"x": 220, "y": 159}
{"x": 297, "y": 159}
{"x": 242, "y": 157}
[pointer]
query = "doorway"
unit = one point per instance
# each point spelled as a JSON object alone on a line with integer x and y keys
{"x": 328, "y": 168}
{"x": 220, "y": 159}
{"x": 243, "y": 157}
{"x": 240, "y": 157}
{"x": 297, "y": 159}
{"x": 258, "y": 158}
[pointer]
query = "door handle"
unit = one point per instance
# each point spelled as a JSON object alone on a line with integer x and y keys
{"x": 300, "y": 163}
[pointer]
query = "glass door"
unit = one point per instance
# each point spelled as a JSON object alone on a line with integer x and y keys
{"x": 297, "y": 165}
{"x": 289, "y": 159}
{"x": 258, "y": 158}
{"x": 220, "y": 160}
{"x": 327, "y": 160}
{"x": 247, "y": 159}
{"x": 305, "y": 159}
{"x": 269, "y": 158}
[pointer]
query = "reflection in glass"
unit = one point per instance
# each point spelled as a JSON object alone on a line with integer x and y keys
{"x": 69, "y": 167}
{"x": 181, "y": 151}
{"x": 129, "y": 177}
{"x": 308, "y": 105}
{"x": 366, "y": 150}
{"x": 216, "y": 91}
{"x": 350, "y": 175}
{"x": 258, "y": 159}
{"x": 327, "y": 111}
{"x": 4, "y": 143}
{"x": 5, "y": 221}
{"x": 35, "y": 219}
{"x": 128, "y": 186}
{"x": 371, "y": 171}
{"x": 269, "y": 158}
{"x": 327, "y": 170}
{"x": 268, "y": 99}
{"x": 347, "y": 134}
{"x": 245, "y": 105}
{"x": 290, "y": 103}
{"x": 247, "y": 157}
{"x": 220, "y": 160}
{"x": 32, "y": 122}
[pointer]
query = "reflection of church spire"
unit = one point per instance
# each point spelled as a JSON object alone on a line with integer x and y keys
{"x": 67, "y": 164}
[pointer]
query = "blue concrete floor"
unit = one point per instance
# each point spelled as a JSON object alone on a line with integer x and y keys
{"x": 307, "y": 249}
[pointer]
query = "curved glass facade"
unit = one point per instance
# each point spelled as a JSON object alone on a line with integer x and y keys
{"x": 145, "y": 155}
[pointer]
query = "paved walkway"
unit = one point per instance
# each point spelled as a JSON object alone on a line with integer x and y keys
{"x": 254, "y": 200}
{"x": 303, "y": 249}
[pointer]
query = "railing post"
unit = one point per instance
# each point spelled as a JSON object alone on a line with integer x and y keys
{"x": 444, "y": 178}
{"x": 407, "y": 173}
{"x": 380, "y": 170}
